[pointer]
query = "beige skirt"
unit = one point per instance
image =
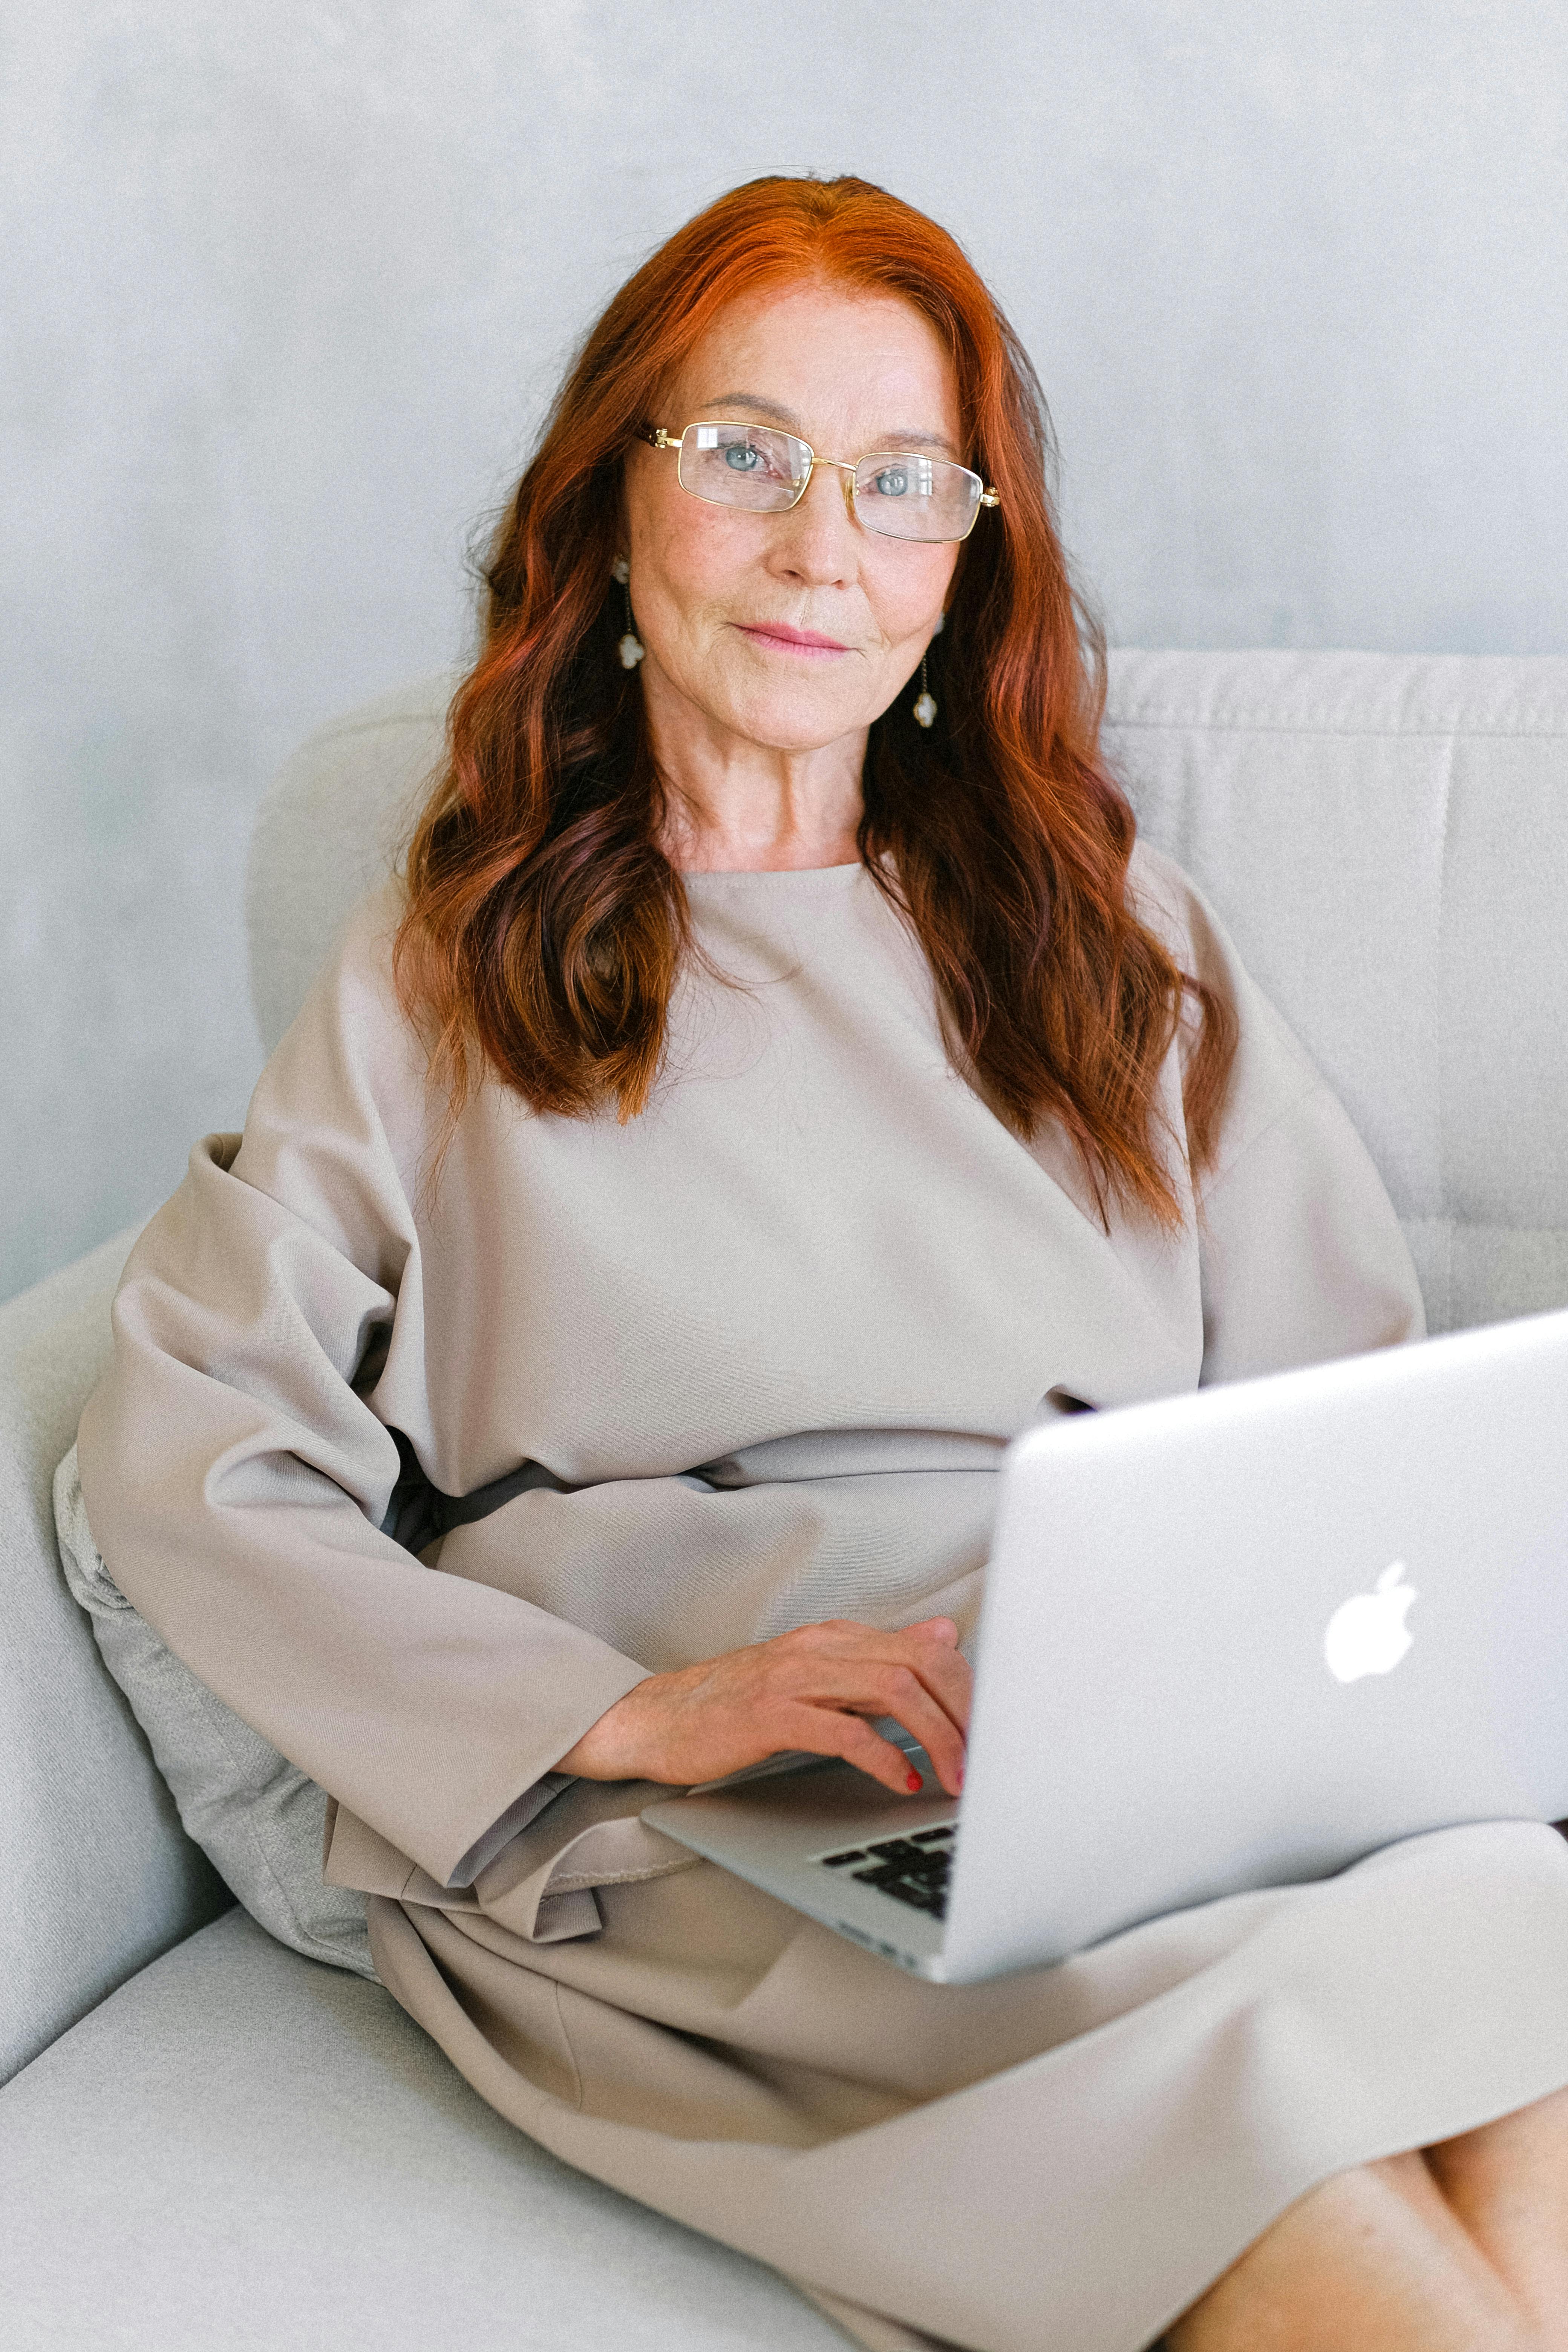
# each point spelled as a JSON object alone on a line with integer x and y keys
{"x": 1057, "y": 2161}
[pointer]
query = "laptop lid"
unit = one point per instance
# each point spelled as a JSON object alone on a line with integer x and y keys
{"x": 1241, "y": 1637}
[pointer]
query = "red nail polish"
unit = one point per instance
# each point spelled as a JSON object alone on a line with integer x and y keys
{"x": 914, "y": 1784}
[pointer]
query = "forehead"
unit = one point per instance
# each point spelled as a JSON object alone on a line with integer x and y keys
{"x": 830, "y": 359}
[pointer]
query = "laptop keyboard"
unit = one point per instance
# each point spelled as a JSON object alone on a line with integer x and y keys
{"x": 912, "y": 1870}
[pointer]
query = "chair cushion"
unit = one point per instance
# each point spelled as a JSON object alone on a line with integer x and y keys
{"x": 99, "y": 1878}
{"x": 256, "y": 1817}
{"x": 241, "y": 2150}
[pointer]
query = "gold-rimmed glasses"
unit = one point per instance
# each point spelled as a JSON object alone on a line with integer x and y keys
{"x": 898, "y": 493}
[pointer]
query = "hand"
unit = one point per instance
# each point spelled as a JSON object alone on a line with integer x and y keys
{"x": 811, "y": 1689}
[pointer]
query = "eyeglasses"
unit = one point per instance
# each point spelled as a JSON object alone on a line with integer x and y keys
{"x": 895, "y": 494}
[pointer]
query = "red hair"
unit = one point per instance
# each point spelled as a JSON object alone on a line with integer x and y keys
{"x": 544, "y": 926}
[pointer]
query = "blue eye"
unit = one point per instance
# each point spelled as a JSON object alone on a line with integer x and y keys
{"x": 892, "y": 482}
{"x": 742, "y": 457}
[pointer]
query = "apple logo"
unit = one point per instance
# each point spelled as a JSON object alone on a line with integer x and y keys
{"x": 1367, "y": 1634}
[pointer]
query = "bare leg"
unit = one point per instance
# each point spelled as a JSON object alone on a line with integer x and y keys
{"x": 1461, "y": 2248}
{"x": 1507, "y": 2185}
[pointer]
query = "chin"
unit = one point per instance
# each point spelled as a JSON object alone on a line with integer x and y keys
{"x": 791, "y": 722}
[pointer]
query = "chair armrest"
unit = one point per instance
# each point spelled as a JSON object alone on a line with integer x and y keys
{"x": 100, "y": 1876}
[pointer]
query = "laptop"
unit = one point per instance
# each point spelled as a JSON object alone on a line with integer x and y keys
{"x": 1234, "y": 1639}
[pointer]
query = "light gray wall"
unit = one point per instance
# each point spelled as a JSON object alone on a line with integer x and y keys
{"x": 285, "y": 282}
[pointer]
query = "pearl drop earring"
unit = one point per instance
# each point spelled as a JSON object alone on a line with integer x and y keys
{"x": 925, "y": 700}
{"x": 631, "y": 647}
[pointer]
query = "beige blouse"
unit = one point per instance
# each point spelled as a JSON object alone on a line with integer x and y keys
{"x": 767, "y": 1340}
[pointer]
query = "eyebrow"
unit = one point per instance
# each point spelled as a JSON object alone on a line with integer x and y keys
{"x": 904, "y": 437}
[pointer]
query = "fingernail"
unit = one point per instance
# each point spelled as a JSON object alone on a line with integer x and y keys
{"x": 914, "y": 1784}
{"x": 958, "y": 1777}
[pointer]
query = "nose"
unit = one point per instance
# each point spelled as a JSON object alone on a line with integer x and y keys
{"x": 817, "y": 541}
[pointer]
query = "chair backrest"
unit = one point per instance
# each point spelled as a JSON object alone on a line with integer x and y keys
{"x": 1387, "y": 840}
{"x": 1385, "y": 836}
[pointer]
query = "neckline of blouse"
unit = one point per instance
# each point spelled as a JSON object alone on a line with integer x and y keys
{"x": 799, "y": 876}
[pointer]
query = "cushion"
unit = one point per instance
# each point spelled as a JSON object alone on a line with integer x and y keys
{"x": 255, "y": 1815}
{"x": 100, "y": 1877}
{"x": 241, "y": 2149}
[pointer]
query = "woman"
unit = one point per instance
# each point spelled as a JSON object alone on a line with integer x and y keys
{"x": 770, "y": 1087}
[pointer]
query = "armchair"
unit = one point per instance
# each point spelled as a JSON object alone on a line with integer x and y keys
{"x": 207, "y": 2141}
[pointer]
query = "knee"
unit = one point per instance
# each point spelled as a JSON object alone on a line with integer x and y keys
{"x": 1372, "y": 2255}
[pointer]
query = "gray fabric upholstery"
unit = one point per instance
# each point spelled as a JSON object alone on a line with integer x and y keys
{"x": 329, "y": 828}
{"x": 242, "y": 2150}
{"x": 1386, "y": 836}
{"x": 99, "y": 1876}
{"x": 255, "y": 1815}
{"x": 1388, "y": 842}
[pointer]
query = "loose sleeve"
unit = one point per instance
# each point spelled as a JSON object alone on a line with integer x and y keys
{"x": 237, "y": 1463}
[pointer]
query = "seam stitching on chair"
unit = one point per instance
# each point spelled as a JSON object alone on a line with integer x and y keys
{"x": 372, "y": 727}
{"x": 1454, "y": 1225}
{"x": 1552, "y": 732}
{"x": 1440, "y": 1010}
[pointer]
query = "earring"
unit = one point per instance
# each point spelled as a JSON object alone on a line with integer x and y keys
{"x": 925, "y": 700}
{"x": 631, "y": 647}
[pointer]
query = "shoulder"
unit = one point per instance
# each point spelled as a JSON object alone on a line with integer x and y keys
{"x": 1301, "y": 1254}
{"x": 1167, "y": 902}
{"x": 359, "y": 969}
{"x": 1161, "y": 895}
{"x": 351, "y": 1063}
{"x": 1272, "y": 1074}
{"x": 352, "y": 1002}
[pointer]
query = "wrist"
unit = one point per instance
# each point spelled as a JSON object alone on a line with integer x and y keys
{"x": 604, "y": 1751}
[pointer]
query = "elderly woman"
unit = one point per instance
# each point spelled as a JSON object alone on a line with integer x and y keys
{"x": 776, "y": 1079}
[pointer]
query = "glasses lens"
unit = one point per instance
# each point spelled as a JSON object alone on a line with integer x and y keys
{"x": 916, "y": 498}
{"x": 743, "y": 465}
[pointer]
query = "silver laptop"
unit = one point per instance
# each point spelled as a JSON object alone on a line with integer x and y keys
{"x": 1234, "y": 1639}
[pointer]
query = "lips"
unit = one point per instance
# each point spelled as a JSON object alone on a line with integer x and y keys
{"x": 798, "y": 641}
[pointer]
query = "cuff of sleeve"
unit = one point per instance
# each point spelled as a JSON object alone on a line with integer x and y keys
{"x": 517, "y": 1816}
{"x": 444, "y": 1792}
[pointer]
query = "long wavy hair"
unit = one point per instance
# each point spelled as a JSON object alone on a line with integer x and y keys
{"x": 544, "y": 925}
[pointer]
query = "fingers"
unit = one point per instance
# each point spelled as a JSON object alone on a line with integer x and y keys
{"x": 943, "y": 1668}
{"x": 917, "y": 1675}
{"x": 940, "y": 1628}
{"x": 828, "y": 1731}
{"x": 899, "y": 1692}
{"x": 929, "y": 1650}
{"x": 830, "y": 1631}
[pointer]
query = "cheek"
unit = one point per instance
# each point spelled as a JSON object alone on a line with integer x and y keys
{"x": 689, "y": 563}
{"x": 906, "y": 593}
